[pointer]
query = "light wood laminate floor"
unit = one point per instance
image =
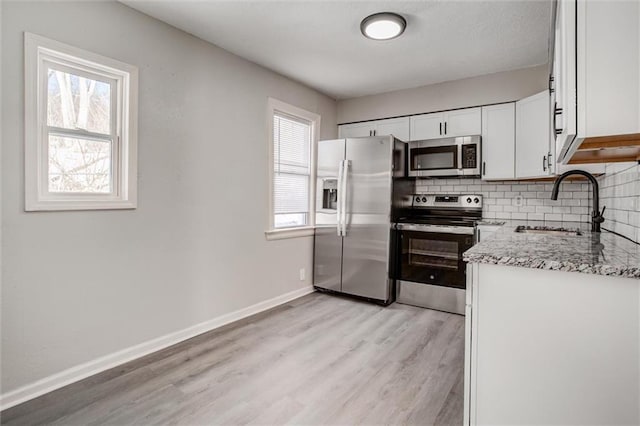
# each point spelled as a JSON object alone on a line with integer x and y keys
{"x": 319, "y": 359}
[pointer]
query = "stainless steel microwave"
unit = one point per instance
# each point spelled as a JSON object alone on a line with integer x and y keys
{"x": 445, "y": 157}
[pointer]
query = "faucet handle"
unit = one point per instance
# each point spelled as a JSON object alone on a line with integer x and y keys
{"x": 599, "y": 216}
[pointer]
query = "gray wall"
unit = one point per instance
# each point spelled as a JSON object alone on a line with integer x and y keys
{"x": 80, "y": 285}
{"x": 487, "y": 89}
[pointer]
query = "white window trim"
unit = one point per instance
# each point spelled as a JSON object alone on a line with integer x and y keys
{"x": 39, "y": 49}
{"x": 273, "y": 106}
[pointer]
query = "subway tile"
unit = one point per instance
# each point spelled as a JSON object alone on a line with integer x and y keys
{"x": 503, "y": 215}
{"x": 553, "y": 216}
{"x": 571, "y": 217}
{"x": 518, "y": 215}
{"x": 504, "y": 202}
{"x": 544, "y": 209}
{"x": 535, "y": 216}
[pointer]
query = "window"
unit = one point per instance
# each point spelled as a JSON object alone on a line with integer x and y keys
{"x": 80, "y": 129}
{"x": 292, "y": 142}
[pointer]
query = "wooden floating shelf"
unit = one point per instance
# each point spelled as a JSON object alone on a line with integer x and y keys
{"x": 608, "y": 149}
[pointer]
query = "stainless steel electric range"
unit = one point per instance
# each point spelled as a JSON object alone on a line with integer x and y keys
{"x": 431, "y": 236}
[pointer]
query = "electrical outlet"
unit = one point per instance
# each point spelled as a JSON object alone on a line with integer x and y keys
{"x": 519, "y": 201}
{"x": 303, "y": 274}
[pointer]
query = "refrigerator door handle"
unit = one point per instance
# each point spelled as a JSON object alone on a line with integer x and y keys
{"x": 345, "y": 178}
{"x": 339, "y": 200}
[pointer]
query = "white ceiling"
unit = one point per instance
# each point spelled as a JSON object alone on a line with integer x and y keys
{"x": 319, "y": 42}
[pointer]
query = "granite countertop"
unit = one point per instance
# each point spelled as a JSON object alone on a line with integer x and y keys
{"x": 590, "y": 253}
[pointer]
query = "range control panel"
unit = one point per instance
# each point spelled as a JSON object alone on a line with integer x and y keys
{"x": 467, "y": 201}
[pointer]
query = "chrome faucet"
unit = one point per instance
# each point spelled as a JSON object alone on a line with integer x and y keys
{"x": 597, "y": 216}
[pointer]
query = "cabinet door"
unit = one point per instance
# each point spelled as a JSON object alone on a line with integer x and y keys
{"x": 463, "y": 122}
{"x": 398, "y": 127}
{"x": 499, "y": 141}
{"x": 427, "y": 126}
{"x": 532, "y": 136}
{"x": 356, "y": 130}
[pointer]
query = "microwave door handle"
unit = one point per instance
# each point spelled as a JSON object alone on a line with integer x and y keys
{"x": 339, "y": 200}
{"x": 459, "y": 145}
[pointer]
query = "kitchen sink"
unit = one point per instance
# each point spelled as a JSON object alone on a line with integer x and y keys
{"x": 547, "y": 231}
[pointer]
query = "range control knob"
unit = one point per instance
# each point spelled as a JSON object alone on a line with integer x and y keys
{"x": 469, "y": 200}
{"x": 417, "y": 199}
{"x": 424, "y": 199}
{"x": 476, "y": 200}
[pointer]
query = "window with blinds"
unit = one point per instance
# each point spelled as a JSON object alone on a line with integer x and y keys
{"x": 291, "y": 170}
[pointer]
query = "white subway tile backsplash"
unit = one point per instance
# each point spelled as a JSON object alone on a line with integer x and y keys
{"x": 500, "y": 198}
{"x": 620, "y": 192}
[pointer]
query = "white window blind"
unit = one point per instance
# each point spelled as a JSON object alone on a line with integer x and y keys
{"x": 291, "y": 170}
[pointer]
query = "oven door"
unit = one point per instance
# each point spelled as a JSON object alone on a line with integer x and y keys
{"x": 433, "y": 257}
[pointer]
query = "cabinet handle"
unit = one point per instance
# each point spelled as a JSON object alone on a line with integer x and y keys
{"x": 551, "y": 80}
{"x": 549, "y": 161}
{"x": 544, "y": 163}
{"x": 374, "y": 132}
{"x": 556, "y": 112}
{"x": 445, "y": 127}
{"x": 484, "y": 168}
{"x": 440, "y": 129}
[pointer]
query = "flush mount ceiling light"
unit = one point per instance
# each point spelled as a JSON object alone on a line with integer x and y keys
{"x": 383, "y": 26}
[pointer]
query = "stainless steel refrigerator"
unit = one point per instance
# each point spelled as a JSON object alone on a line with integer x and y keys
{"x": 357, "y": 179}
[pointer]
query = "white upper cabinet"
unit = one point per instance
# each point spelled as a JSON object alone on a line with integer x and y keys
{"x": 398, "y": 127}
{"x": 533, "y": 121}
{"x": 596, "y": 71}
{"x": 356, "y": 130}
{"x": 498, "y": 141}
{"x": 462, "y": 122}
{"x": 427, "y": 126}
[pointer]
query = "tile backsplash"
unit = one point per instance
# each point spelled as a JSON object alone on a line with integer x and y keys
{"x": 620, "y": 192}
{"x": 525, "y": 200}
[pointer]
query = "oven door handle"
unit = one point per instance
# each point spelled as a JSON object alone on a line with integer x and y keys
{"x": 459, "y": 230}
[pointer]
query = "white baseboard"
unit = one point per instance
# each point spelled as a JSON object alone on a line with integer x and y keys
{"x": 82, "y": 371}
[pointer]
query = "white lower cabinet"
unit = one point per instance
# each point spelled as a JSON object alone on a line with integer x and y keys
{"x": 499, "y": 141}
{"x": 551, "y": 347}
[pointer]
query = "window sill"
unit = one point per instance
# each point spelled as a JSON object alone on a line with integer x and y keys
{"x": 281, "y": 234}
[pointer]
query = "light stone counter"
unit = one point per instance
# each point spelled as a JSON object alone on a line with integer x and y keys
{"x": 591, "y": 253}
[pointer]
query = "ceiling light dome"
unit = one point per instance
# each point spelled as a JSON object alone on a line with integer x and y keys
{"x": 383, "y": 26}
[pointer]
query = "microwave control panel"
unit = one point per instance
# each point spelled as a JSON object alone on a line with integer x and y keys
{"x": 469, "y": 156}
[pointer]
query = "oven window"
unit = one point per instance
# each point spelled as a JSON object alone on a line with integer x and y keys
{"x": 434, "y": 158}
{"x": 437, "y": 254}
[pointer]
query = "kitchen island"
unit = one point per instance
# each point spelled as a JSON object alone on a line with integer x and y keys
{"x": 553, "y": 328}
